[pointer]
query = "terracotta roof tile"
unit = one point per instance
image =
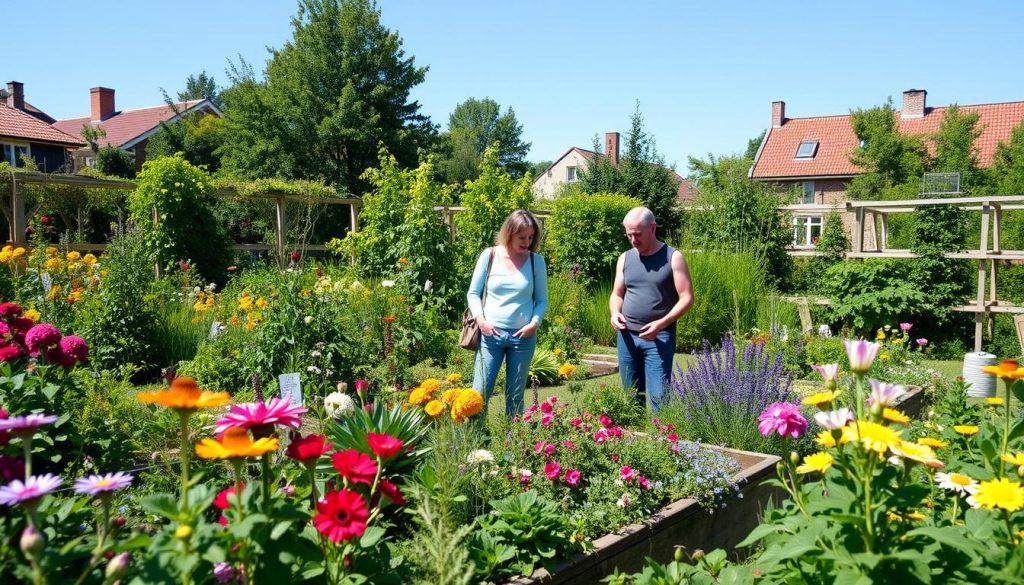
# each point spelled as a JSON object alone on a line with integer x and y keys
{"x": 17, "y": 124}
{"x": 125, "y": 126}
{"x": 836, "y": 140}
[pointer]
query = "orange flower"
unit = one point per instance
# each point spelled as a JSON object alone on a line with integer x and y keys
{"x": 184, "y": 394}
{"x": 1007, "y": 370}
{"x": 389, "y": 319}
{"x": 234, "y": 443}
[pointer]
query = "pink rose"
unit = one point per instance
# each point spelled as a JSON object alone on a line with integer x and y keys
{"x": 572, "y": 477}
{"x": 552, "y": 470}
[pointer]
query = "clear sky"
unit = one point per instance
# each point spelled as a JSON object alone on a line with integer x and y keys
{"x": 704, "y": 73}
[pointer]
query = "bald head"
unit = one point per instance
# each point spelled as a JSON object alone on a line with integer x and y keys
{"x": 640, "y": 229}
{"x": 639, "y": 216}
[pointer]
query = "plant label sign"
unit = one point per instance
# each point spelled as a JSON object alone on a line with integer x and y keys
{"x": 291, "y": 387}
{"x": 214, "y": 329}
{"x": 47, "y": 282}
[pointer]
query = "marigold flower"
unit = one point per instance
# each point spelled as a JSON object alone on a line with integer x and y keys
{"x": 468, "y": 403}
{"x": 355, "y": 466}
{"x": 235, "y": 443}
{"x": 998, "y": 493}
{"x": 383, "y": 445}
{"x": 783, "y": 418}
{"x": 822, "y": 400}
{"x": 341, "y": 515}
{"x": 89, "y": 259}
{"x": 276, "y": 411}
{"x": 31, "y": 489}
{"x": 566, "y": 370}
{"x": 454, "y": 378}
{"x": 872, "y": 436}
{"x": 893, "y": 415}
{"x": 434, "y": 408}
{"x": 418, "y": 396}
{"x": 307, "y": 450}
{"x": 185, "y": 395}
{"x": 97, "y": 484}
{"x": 431, "y": 385}
{"x": 966, "y": 430}
{"x": 816, "y": 462}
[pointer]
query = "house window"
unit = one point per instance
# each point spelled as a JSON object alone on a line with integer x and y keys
{"x": 570, "y": 174}
{"x": 806, "y": 231}
{"x": 808, "y": 192}
{"x": 12, "y": 153}
{"x": 807, "y": 149}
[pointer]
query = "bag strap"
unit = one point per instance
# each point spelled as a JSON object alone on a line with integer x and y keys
{"x": 487, "y": 277}
{"x": 533, "y": 278}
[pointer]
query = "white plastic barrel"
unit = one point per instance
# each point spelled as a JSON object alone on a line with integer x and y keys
{"x": 981, "y": 385}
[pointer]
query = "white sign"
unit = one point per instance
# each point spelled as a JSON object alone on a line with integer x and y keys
{"x": 47, "y": 282}
{"x": 291, "y": 387}
{"x": 214, "y": 329}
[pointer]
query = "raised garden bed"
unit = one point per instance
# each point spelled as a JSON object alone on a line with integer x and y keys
{"x": 683, "y": 522}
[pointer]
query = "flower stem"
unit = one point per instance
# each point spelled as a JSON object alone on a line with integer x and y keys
{"x": 184, "y": 454}
{"x": 1006, "y": 429}
{"x": 265, "y": 463}
{"x": 860, "y": 397}
{"x": 869, "y": 532}
{"x": 26, "y": 444}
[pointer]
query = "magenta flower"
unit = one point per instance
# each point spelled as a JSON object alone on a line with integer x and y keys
{"x": 223, "y": 572}
{"x": 549, "y": 449}
{"x": 576, "y": 422}
{"x": 9, "y": 353}
{"x": 32, "y": 488}
{"x": 672, "y": 437}
{"x": 546, "y": 419}
{"x": 783, "y": 418}
{"x": 861, "y": 354}
{"x": 600, "y": 436}
{"x": 8, "y": 310}
{"x": 572, "y": 477}
{"x": 546, "y": 408}
{"x": 828, "y": 372}
{"x": 568, "y": 444}
{"x": 605, "y": 421}
{"x": 276, "y": 411}
{"x": 552, "y": 470}
{"x": 921, "y": 341}
{"x": 11, "y": 468}
{"x": 904, "y": 327}
{"x": 644, "y": 482}
{"x": 96, "y": 484}
{"x": 538, "y": 447}
{"x": 884, "y": 393}
{"x": 41, "y": 337}
{"x": 627, "y": 473}
{"x": 25, "y": 426}
{"x": 74, "y": 349}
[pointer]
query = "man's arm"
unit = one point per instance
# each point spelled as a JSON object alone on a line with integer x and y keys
{"x": 618, "y": 293}
{"x": 684, "y": 288}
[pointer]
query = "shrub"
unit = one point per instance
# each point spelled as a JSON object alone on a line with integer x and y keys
{"x": 727, "y": 288}
{"x": 585, "y": 234}
{"x": 617, "y": 402}
{"x": 870, "y": 294}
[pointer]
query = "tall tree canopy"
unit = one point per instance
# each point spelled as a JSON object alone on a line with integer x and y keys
{"x": 330, "y": 97}
{"x": 198, "y": 87}
{"x": 474, "y": 126}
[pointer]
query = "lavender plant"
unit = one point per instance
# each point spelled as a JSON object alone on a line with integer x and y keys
{"x": 718, "y": 399}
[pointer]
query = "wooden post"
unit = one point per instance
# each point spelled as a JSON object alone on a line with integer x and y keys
{"x": 18, "y": 219}
{"x": 982, "y": 314}
{"x": 858, "y": 233}
{"x": 874, "y": 231}
{"x": 1018, "y": 321}
{"x": 804, "y": 310}
{"x": 281, "y": 226}
{"x": 997, "y": 217}
{"x": 885, "y": 232}
{"x": 353, "y": 218}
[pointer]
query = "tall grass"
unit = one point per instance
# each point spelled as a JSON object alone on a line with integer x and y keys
{"x": 179, "y": 331}
{"x": 727, "y": 288}
{"x": 595, "y": 320}
{"x": 774, "y": 314}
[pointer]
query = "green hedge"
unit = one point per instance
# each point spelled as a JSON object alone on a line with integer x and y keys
{"x": 586, "y": 230}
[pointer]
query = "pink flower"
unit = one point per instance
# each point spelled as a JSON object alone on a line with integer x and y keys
{"x": 41, "y": 337}
{"x": 546, "y": 419}
{"x": 94, "y": 485}
{"x": 549, "y": 449}
{"x": 673, "y": 437}
{"x": 572, "y": 477}
{"x": 276, "y": 411}
{"x": 75, "y": 349}
{"x": 361, "y": 386}
{"x": 9, "y": 353}
{"x": 614, "y": 457}
{"x": 552, "y": 470}
{"x": 833, "y": 419}
{"x": 783, "y": 418}
{"x": 25, "y": 426}
{"x": 905, "y": 327}
{"x": 546, "y": 408}
{"x": 676, "y": 449}
{"x": 524, "y": 476}
{"x": 644, "y": 482}
{"x": 861, "y": 354}
{"x": 605, "y": 421}
{"x": 600, "y": 436}
{"x": 828, "y": 372}
{"x": 538, "y": 447}
{"x": 532, "y": 409}
{"x": 921, "y": 341}
{"x": 576, "y": 422}
{"x": 32, "y": 488}
{"x": 527, "y": 417}
{"x": 627, "y": 473}
{"x": 568, "y": 444}
{"x": 8, "y": 310}
{"x": 884, "y": 393}
{"x": 615, "y": 431}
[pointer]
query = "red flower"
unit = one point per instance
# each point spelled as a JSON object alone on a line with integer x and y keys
{"x": 341, "y": 515}
{"x": 296, "y": 256}
{"x": 221, "y": 501}
{"x": 605, "y": 421}
{"x": 9, "y": 353}
{"x": 11, "y": 468}
{"x": 8, "y": 310}
{"x": 355, "y": 466}
{"x": 391, "y": 492}
{"x": 552, "y": 470}
{"x": 572, "y": 477}
{"x": 361, "y": 385}
{"x": 384, "y": 446}
{"x": 307, "y": 450}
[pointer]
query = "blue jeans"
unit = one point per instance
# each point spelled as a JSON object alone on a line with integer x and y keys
{"x": 517, "y": 353}
{"x": 646, "y": 365}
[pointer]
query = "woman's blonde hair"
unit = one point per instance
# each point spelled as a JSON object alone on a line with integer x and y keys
{"x": 518, "y": 221}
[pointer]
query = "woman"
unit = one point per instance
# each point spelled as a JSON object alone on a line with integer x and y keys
{"x": 508, "y": 297}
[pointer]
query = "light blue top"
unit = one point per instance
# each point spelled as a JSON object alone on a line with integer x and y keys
{"x": 514, "y": 298}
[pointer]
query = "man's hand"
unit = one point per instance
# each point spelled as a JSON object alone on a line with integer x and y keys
{"x": 618, "y": 321}
{"x": 526, "y": 331}
{"x": 485, "y": 327}
{"x": 651, "y": 330}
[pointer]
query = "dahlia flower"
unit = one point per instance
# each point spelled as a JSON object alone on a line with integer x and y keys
{"x": 276, "y": 411}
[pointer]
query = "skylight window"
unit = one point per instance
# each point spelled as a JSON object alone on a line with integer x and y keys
{"x": 807, "y": 149}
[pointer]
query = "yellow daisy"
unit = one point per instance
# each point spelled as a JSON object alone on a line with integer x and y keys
{"x": 966, "y": 430}
{"x": 893, "y": 415}
{"x": 933, "y": 443}
{"x": 821, "y": 399}
{"x": 998, "y": 493}
{"x": 872, "y": 436}
{"x": 816, "y": 462}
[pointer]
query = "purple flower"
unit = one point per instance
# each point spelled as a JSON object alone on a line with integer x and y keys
{"x": 905, "y": 327}
{"x": 783, "y": 418}
{"x": 884, "y": 393}
{"x": 97, "y": 484}
{"x": 75, "y": 349}
{"x": 32, "y": 488}
{"x": 25, "y": 426}
{"x": 861, "y": 353}
{"x": 921, "y": 342}
{"x": 223, "y": 572}
{"x": 41, "y": 337}
{"x": 276, "y": 411}
{"x": 828, "y": 372}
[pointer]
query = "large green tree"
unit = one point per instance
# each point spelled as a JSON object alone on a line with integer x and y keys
{"x": 641, "y": 172}
{"x": 888, "y": 157}
{"x": 475, "y": 125}
{"x": 330, "y": 97}
{"x": 198, "y": 87}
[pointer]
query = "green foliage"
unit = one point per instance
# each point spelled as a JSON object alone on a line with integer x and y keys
{"x": 197, "y": 135}
{"x": 487, "y": 200}
{"x": 735, "y": 214}
{"x": 887, "y": 156}
{"x": 184, "y": 227}
{"x": 1007, "y": 170}
{"x": 617, "y": 402}
{"x": 438, "y": 548}
{"x": 408, "y": 426}
{"x": 873, "y": 293}
{"x": 698, "y": 569}
{"x": 596, "y": 318}
{"x": 728, "y": 288}
{"x": 199, "y": 87}
{"x": 111, "y": 160}
{"x": 641, "y": 173}
{"x": 473, "y": 126}
{"x": 531, "y": 526}
{"x": 585, "y": 234}
{"x": 543, "y": 367}
{"x": 832, "y": 245}
{"x": 330, "y": 97}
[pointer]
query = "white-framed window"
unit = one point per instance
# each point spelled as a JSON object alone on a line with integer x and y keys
{"x": 808, "y": 192}
{"x": 807, "y": 149}
{"x": 570, "y": 174}
{"x": 11, "y": 152}
{"x": 806, "y": 230}
{"x": 90, "y": 161}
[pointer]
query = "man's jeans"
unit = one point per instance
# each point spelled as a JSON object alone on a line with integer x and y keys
{"x": 517, "y": 353}
{"x": 646, "y": 365}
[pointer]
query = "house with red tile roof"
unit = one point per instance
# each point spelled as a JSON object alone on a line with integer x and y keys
{"x": 566, "y": 169}
{"x": 814, "y": 152}
{"x": 24, "y": 130}
{"x": 129, "y": 129}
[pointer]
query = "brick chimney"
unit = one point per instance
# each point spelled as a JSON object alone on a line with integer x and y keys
{"x": 16, "y": 95}
{"x": 611, "y": 146}
{"x": 913, "y": 104}
{"x": 778, "y": 114}
{"x": 102, "y": 103}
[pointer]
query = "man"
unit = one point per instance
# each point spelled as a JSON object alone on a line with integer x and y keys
{"x": 652, "y": 290}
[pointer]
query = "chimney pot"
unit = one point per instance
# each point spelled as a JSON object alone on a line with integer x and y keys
{"x": 778, "y": 114}
{"x": 913, "y": 104}
{"x": 102, "y": 99}
{"x": 611, "y": 146}
{"x": 16, "y": 95}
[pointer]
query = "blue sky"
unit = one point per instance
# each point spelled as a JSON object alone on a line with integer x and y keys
{"x": 705, "y": 73}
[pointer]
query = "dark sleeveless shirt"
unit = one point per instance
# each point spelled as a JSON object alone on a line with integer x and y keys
{"x": 650, "y": 289}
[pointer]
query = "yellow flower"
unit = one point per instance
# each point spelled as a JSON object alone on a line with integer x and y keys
{"x": 53, "y": 265}
{"x": 994, "y": 401}
{"x": 454, "y": 378}
{"x": 7, "y": 248}
{"x": 51, "y": 251}
{"x": 916, "y": 516}
{"x": 880, "y": 336}
{"x": 403, "y": 261}
{"x": 431, "y": 385}
{"x": 826, "y": 439}
{"x": 816, "y": 462}
{"x": 1015, "y": 459}
{"x": 418, "y": 396}
{"x": 185, "y": 395}
{"x": 934, "y": 443}
{"x": 449, "y": 396}
{"x": 235, "y": 443}
{"x": 998, "y": 493}
{"x": 183, "y": 532}
{"x": 74, "y": 256}
{"x": 893, "y": 517}
{"x": 245, "y": 302}
{"x": 557, "y": 351}
{"x": 883, "y": 356}
{"x": 821, "y": 399}
{"x": 566, "y": 370}
{"x": 434, "y": 408}
{"x": 5, "y": 256}
{"x": 917, "y": 452}
{"x": 872, "y": 436}
{"x": 1005, "y": 369}
{"x": 468, "y": 403}
{"x": 234, "y": 320}
{"x": 33, "y": 314}
{"x": 88, "y": 259}
{"x": 899, "y": 340}
{"x": 18, "y": 252}
{"x": 893, "y": 415}
{"x": 261, "y": 303}
{"x": 966, "y": 430}
{"x": 55, "y": 292}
